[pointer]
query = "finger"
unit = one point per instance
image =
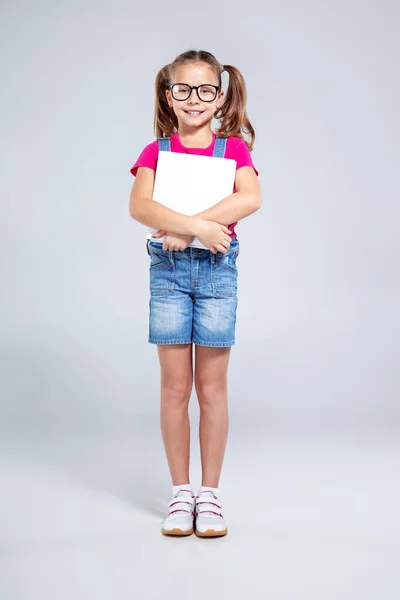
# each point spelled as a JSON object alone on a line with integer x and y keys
{"x": 226, "y": 244}
{"x": 159, "y": 233}
{"x": 221, "y": 248}
{"x": 225, "y": 229}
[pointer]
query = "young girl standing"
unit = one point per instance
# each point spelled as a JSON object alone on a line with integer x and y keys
{"x": 193, "y": 291}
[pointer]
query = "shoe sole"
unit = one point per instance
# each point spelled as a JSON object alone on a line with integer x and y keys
{"x": 211, "y": 533}
{"x": 176, "y": 531}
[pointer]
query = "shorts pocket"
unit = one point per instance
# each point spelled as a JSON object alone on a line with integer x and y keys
{"x": 224, "y": 275}
{"x": 162, "y": 272}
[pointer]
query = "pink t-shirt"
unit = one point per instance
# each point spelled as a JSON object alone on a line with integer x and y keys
{"x": 235, "y": 148}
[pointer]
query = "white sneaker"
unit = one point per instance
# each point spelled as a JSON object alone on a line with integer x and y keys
{"x": 181, "y": 514}
{"x": 209, "y": 521}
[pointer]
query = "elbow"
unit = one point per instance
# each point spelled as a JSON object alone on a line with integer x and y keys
{"x": 134, "y": 210}
{"x": 257, "y": 202}
{"x": 134, "y": 213}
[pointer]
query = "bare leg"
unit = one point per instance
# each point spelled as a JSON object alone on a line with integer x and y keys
{"x": 176, "y": 386}
{"x": 211, "y": 386}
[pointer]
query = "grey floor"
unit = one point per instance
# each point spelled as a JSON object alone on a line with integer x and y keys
{"x": 310, "y": 515}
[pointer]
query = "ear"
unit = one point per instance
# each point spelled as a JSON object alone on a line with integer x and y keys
{"x": 169, "y": 99}
{"x": 220, "y": 98}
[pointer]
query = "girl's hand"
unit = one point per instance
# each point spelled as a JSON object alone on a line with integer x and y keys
{"x": 214, "y": 236}
{"x": 174, "y": 241}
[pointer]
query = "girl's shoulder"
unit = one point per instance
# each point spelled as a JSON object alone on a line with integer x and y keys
{"x": 147, "y": 158}
{"x": 236, "y": 142}
{"x": 237, "y": 149}
{"x": 233, "y": 139}
{"x": 153, "y": 146}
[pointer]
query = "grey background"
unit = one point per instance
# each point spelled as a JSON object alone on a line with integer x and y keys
{"x": 314, "y": 377}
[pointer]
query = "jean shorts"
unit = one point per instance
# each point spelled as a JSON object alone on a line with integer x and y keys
{"x": 193, "y": 295}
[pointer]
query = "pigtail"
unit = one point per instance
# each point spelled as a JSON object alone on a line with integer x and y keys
{"x": 232, "y": 113}
{"x": 165, "y": 121}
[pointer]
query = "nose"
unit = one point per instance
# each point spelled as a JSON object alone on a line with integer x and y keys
{"x": 190, "y": 99}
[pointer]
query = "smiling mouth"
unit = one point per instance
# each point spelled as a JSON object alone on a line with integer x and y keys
{"x": 194, "y": 113}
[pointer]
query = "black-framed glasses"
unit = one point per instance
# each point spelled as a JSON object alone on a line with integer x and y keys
{"x": 183, "y": 91}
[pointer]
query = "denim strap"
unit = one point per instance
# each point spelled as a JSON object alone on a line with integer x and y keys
{"x": 164, "y": 144}
{"x": 219, "y": 148}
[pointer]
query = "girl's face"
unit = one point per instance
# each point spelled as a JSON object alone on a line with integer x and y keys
{"x": 194, "y": 112}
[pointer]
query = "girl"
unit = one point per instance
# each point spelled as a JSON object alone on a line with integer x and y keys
{"x": 193, "y": 291}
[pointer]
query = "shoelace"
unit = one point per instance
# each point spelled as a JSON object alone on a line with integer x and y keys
{"x": 208, "y": 504}
{"x": 181, "y": 500}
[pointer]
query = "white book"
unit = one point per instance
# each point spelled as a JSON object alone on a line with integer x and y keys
{"x": 189, "y": 184}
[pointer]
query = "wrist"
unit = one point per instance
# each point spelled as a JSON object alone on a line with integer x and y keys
{"x": 196, "y": 226}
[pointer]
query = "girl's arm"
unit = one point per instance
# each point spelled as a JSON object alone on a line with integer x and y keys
{"x": 149, "y": 212}
{"x": 246, "y": 201}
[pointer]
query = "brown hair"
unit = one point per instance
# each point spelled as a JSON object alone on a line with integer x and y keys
{"x": 232, "y": 113}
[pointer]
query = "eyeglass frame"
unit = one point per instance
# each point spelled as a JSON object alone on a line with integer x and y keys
{"x": 195, "y": 87}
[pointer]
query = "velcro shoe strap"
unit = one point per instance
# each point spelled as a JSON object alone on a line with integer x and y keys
{"x": 182, "y": 501}
{"x": 214, "y": 501}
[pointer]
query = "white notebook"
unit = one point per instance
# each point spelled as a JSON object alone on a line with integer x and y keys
{"x": 189, "y": 183}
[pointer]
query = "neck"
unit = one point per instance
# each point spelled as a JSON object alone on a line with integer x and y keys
{"x": 196, "y": 138}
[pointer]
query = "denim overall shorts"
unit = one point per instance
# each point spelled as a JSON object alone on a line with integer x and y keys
{"x": 193, "y": 293}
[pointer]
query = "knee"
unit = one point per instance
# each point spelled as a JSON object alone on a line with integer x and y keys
{"x": 210, "y": 394}
{"x": 176, "y": 394}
